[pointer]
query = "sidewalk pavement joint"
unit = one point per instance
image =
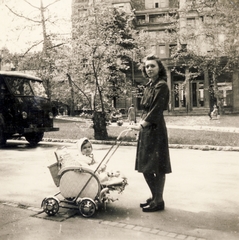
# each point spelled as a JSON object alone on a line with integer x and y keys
{"x": 154, "y": 231}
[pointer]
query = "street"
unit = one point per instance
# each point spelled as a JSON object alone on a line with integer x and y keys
{"x": 201, "y": 195}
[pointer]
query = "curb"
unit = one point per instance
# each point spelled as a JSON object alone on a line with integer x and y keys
{"x": 19, "y": 205}
{"x": 175, "y": 146}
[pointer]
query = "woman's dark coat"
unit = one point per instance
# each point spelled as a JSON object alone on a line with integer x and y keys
{"x": 152, "y": 150}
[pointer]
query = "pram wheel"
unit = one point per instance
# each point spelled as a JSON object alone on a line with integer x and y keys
{"x": 87, "y": 207}
{"x": 50, "y": 206}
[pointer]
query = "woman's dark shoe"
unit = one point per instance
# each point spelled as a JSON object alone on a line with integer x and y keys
{"x": 148, "y": 201}
{"x": 153, "y": 207}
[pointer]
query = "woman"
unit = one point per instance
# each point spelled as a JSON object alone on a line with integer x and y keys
{"x": 152, "y": 158}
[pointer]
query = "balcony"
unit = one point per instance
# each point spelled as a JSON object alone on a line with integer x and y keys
{"x": 155, "y": 17}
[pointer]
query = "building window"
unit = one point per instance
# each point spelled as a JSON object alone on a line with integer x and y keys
{"x": 156, "y": 4}
{"x": 208, "y": 19}
{"x": 172, "y": 49}
{"x": 162, "y": 51}
{"x": 141, "y": 19}
{"x": 157, "y": 18}
{"x": 201, "y": 94}
{"x": 201, "y": 18}
{"x": 191, "y": 22}
{"x": 225, "y": 90}
{"x": 179, "y": 95}
{"x": 120, "y": 6}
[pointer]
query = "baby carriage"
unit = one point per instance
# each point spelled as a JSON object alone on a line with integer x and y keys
{"x": 79, "y": 185}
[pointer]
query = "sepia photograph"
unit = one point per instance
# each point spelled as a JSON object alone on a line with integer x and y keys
{"x": 119, "y": 119}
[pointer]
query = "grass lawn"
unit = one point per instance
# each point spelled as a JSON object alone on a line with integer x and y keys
{"x": 83, "y": 128}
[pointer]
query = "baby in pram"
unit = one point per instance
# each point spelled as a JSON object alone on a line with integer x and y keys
{"x": 86, "y": 158}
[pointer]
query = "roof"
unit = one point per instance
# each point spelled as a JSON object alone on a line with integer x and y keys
{"x": 19, "y": 74}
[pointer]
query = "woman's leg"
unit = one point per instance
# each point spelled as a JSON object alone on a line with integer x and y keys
{"x": 150, "y": 180}
{"x": 159, "y": 187}
{"x": 156, "y": 184}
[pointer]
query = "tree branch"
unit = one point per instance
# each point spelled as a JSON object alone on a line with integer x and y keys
{"x": 34, "y": 45}
{"x": 21, "y": 16}
{"x": 51, "y": 3}
{"x": 68, "y": 76}
{"x": 38, "y": 7}
{"x": 55, "y": 46}
{"x": 31, "y": 5}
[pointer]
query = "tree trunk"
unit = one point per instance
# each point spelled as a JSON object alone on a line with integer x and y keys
{"x": 72, "y": 104}
{"x": 45, "y": 38}
{"x": 187, "y": 91}
{"x": 99, "y": 120}
{"x": 218, "y": 95}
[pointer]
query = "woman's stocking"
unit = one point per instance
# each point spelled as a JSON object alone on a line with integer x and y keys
{"x": 150, "y": 180}
{"x": 159, "y": 187}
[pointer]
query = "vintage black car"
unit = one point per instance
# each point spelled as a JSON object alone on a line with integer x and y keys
{"x": 25, "y": 109}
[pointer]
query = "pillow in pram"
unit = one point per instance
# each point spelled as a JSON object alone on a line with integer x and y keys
{"x": 65, "y": 159}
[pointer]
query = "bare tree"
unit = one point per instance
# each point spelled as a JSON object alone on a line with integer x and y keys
{"x": 48, "y": 56}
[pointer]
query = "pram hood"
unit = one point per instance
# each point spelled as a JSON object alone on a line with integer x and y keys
{"x": 80, "y": 142}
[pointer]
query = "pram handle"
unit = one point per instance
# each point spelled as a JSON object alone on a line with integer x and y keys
{"x": 117, "y": 144}
{"x": 126, "y": 131}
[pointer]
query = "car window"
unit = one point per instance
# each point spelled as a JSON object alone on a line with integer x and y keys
{"x": 20, "y": 86}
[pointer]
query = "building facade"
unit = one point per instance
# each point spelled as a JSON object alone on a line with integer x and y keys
{"x": 187, "y": 97}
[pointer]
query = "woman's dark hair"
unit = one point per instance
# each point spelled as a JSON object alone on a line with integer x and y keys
{"x": 162, "y": 72}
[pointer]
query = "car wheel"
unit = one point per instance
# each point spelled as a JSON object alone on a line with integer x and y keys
{"x": 2, "y": 137}
{"x": 34, "y": 138}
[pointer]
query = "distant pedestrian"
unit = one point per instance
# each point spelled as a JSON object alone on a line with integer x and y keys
{"x": 131, "y": 115}
{"x": 214, "y": 113}
{"x": 210, "y": 112}
{"x": 212, "y": 101}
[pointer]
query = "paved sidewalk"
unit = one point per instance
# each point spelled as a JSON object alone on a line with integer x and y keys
{"x": 26, "y": 227}
{"x": 200, "y": 194}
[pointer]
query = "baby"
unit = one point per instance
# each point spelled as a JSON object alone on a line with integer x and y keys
{"x": 86, "y": 157}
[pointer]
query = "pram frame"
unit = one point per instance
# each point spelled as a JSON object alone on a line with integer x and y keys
{"x": 87, "y": 206}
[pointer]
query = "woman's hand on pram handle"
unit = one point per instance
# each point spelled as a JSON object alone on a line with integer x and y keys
{"x": 143, "y": 124}
{"x": 135, "y": 127}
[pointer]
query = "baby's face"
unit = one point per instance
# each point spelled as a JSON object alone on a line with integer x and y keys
{"x": 87, "y": 149}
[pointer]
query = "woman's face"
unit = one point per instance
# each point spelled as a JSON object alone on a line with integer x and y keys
{"x": 87, "y": 149}
{"x": 152, "y": 69}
